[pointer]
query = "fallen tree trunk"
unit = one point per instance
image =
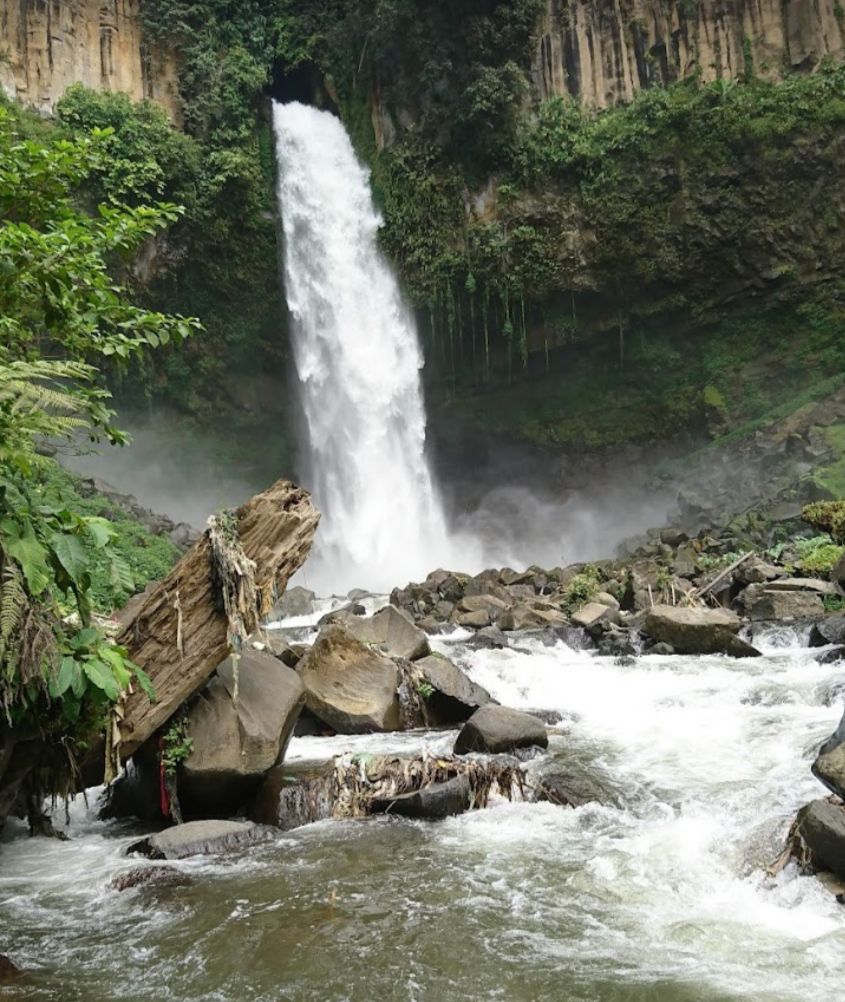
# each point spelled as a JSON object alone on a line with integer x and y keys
{"x": 178, "y": 631}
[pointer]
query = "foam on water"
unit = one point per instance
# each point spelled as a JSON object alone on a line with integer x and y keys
{"x": 660, "y": 896}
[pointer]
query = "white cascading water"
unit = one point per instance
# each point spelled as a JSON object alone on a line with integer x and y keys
{"x": 358, "y": 361}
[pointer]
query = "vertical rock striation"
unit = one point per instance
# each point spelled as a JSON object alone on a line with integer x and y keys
{"x": 602, "y": 52}
{"x": 46, "y": 45}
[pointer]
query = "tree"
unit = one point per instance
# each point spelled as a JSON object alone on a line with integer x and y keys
{"x": 62, "y": 315}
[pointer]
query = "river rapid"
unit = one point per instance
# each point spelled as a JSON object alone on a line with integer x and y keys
{"x": 659, "y": 894}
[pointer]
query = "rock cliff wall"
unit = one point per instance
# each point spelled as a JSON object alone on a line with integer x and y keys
{"x": 46, "y": 45}
{"x": 603, "y": 51}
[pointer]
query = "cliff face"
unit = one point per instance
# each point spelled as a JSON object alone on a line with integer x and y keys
{"x": 603, "y": 51}
{"x": 46, "y": 45}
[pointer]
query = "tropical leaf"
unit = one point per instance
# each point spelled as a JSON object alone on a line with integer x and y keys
{"x": 101, "y": 675}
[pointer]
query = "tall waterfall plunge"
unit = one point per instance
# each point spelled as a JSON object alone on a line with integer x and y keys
{"x": 358, "y": 362}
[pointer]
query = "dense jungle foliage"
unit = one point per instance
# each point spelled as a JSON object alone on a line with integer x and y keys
{"x": 532, "y": 238}
{"x": 63, "y": 320}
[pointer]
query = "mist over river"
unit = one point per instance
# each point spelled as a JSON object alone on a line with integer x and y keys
{"x": 657, "y": 894}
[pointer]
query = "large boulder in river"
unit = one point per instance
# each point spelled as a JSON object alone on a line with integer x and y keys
{"x": 349, "y": 686}
{"x": 495, "y": 729}
{"x": 820, "y": 825}
{"x": 392, "y": 631}
{"x": 296, "y": 601}
{"x": 695, "y": 631}
{"x": 828, "y": 631}
{"x": 768, "y": 602}
{"x": 239, "y": 728}
{"x": 530, "y": 617}
{"x": 455, "y": 697}
{"x": 829, "y": 766}
{"x": 202, "y": 838}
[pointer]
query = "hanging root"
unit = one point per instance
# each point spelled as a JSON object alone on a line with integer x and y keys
{"x": 234, "y": 573}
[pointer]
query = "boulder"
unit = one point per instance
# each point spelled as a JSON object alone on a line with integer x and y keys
{"x": 202, "y": 838}
{"x": 821, "y": 827}
{"x": 239, "y": 730}
{"x": 483, "y": 603}
{"x": 764, "y": 602}
{"x": 289, "y": 801}
{"x": 433, "y": 802}
{"x": 296, "y": 601}
{"x": 530, "y": 617}
{"x": 276, "y": 644}
{"x": 572, "y": 790}
{"x": 476, "y": 620}
{"x": 593, "y": 613}
{"x": 754, "y": 570}
{"x": 815, "y": 585}
{"x": 829, "y": 766}
{"x": 149, "y": 876}
{"x": 392, "y": 631}
{"x": 828, "y": 631}
{"x": 495, "y": 729}
{"x": 832, "y": 657}
{"x": 488, "y": 638}
{"x": 343, "y": 615}
{"x": 455, "y": 698}
{"x": 692, "y": 631}
{"x": 349, "y": 686}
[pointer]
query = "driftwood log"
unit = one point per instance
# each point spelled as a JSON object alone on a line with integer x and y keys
{"x": 177, "y": 631}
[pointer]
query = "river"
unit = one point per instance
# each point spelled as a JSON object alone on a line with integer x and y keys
{"x": 659, "y": 894}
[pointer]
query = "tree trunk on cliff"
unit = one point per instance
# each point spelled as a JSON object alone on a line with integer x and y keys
{"x": 178, "y": 631}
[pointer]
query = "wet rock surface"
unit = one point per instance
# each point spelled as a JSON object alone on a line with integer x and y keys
{"x": 202, "y": 838}
{"x": 495, "y": 729}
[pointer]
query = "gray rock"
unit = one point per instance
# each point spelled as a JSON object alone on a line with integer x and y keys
{"x": 692, "y": 631}
{"x": 495, "y": 729}
{"x": 815, "y": 585}
{"x": 488, "y": 638}
{"x": 828, "y": 631}
{"x": 592, "y": 613}
{"x": 763, "y": 602}
{"x": 476, "y": 620}
{"x": 821, "y": 826}
{"x": 571, "y": 790}
{"x": 202, "y": 838}
{"x": 149, "y": 876}
{"x": 829, "y": 766}
{"x": 290, "y": 800}
{"x": 343, "y": 615}
{"x": 275, "y": 643}
{"x": 235, "y": 742}
{"x": 296, "y": 601}
{"x": 433, "y": 802}
{"x": 392, "y": 631}
{"x": 483, "y": 603}
{"x": 530, "y": 617}
{"x": 349, "y": 686}
{"x": 456, "y": 696}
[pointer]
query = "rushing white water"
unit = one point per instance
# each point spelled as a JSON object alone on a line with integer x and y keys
{"x": 358, "y": 362}
{"x": 657, "y": 895}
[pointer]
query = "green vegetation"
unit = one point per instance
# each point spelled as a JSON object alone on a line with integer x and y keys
{"x": 829, "y": 517}
{"x": 819, "y": 554}
{"x": 582, "y": 588}
{"x": 61, "y": 315}
{"x": 176, "y": 745}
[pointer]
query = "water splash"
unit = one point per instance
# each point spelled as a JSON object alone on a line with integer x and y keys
{"x": 358, "y": 361}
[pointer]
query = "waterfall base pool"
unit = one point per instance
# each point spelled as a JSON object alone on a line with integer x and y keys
{"x": 659, "y": 894}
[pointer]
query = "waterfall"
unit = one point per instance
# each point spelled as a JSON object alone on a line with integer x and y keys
{"x": 358, "y": 361}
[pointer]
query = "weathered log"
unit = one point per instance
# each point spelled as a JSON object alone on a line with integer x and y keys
{"x": 177, "y": 631}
